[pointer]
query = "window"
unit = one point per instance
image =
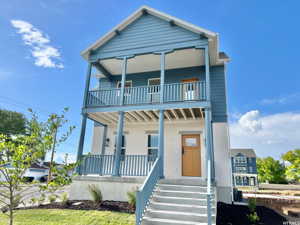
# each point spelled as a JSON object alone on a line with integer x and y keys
{"x": 240, "y": 159}
{"x": 190, "y": 89}
{"x": 123, "y": 149}
{"x": 153, "y": 89}
{"x": 152, "y": 146}
{"x": 241, "y": 169}
{"x": 128, "y": 85}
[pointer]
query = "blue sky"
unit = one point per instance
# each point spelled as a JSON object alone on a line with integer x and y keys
{"x": 262, "y": 40}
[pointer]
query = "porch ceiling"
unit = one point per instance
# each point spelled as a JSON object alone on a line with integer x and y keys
{"x": 148, "y": 116}
{"x": 151, "y": 62}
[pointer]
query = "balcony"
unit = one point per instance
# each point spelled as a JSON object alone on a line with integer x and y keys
{"x": 175, "y": 92}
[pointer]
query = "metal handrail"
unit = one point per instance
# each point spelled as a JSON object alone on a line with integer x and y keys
{"x": 144, "y": 193}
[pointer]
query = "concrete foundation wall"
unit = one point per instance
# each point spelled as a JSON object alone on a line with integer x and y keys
{"x": 112, "y": 188}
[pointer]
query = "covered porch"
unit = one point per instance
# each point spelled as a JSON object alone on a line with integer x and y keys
{"x": 140, "y": 142}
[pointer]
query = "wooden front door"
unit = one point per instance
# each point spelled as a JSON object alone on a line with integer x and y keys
{"x": 191, "y": 155}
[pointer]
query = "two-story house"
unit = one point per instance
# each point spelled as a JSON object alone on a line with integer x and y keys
{"x": 244, "y": 170}
{"x": 160, "y": 119}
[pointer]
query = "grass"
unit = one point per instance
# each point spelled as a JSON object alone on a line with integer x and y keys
{"x": 69, "y": 217}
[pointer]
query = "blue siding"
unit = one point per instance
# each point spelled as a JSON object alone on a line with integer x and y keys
{"x": 218, "y": 91}
{"x": 251, "y": 162}
{"x": 147, "y": 32}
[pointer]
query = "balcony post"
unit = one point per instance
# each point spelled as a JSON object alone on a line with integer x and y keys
{"x": 123, "y": 81}
{"x": 161, "y": 140}
{"x": 104, "y": 140}
{"x": 162, "y": 76}
{"x": 81, "y": 143}
{"x": 207, "y": 74}
{"x": 87, "y": 84}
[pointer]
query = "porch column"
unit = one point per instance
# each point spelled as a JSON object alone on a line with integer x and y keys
{"x": 161, "y": 140}
{"x": 84, "y": 118}
{"x": 104, "y": 139}
{"x": 81, "y": 142}
{"x": 116, "y": 170}
{"x": 161, "y": 113}
{"x": 208, "y": 144}
{"x": 208, "y": 98}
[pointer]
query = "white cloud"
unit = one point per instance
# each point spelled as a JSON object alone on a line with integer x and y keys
{"x": 45, "y": 55}
{"x": 268, "y": 135}
{"x": 281, "y": 100}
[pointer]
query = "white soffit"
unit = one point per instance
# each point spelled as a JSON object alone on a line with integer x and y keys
{"x": 150, "y": 62}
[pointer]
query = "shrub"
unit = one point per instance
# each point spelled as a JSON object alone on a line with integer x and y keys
{"x": 52, "y": 198}
{"x": 253, "y": 218}
{"x": 64, "y": 198}
{"x": 252, "y": 205}
{"x": 41, "y": 199}
{"x": 95, "y": 193}
{"x": 33, "y": 201}
{"x": 131, "y": 198}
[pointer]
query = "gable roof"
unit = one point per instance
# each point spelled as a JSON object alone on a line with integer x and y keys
{"x": 212, "y": 36}
{"x": 248, "y": 152}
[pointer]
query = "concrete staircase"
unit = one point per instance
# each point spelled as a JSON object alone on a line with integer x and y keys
{"x": 179, "y": 202}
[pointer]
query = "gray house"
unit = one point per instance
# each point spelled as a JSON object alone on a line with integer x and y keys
{"x": 244, "y": 170}
{"x": 160, "y": 119}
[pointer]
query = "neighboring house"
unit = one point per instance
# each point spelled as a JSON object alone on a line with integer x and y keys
{"x": 244, "y": 170}
{"x": 160, "y": 119}
{"x": 35, "y": 172}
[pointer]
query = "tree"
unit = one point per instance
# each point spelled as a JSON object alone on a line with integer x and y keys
{"x": 293, "y": 169}
{"x": 54, "y": 123}
{"x": 17, "y": 155}
{"x": 270, "y": 170}
{"x": 12, "y": 123}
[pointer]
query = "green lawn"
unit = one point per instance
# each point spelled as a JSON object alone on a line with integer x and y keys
{"x": 69, "y": 217}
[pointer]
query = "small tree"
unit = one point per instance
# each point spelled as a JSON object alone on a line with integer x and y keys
{"x": 270, "y": 170}
{"x": 54, "y": 123}
{"x": 293, "y": 169}
{"x": 17, "y": 155}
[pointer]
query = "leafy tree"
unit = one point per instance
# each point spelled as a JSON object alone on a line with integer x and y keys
{"x": 54, "y": 123}
{"x": 270, "y": 170}
{"x": 293, "y": 170}
{"x": 12, "y": 123}
{"x": 17, "y": 155}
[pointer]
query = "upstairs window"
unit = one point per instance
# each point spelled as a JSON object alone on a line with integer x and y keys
{"x": 128, "y": 85}
{"x": 240, "y": 159}
{"x": 241, "y": 169}
{"x": 152, "y": 147}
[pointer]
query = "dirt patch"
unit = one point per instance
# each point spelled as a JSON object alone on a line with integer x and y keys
{"x": 229, "y": 214}
{"x": 88, "y": 205}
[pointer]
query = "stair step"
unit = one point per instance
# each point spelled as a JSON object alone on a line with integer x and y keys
{"x": 179, "y": 207}
{"x": 184, "y": 194}
{"x": 175, "y": 187}
{"x": 156, "y": 221}
{"x": 185, "y": 181}
{"x": 179, "y": 216}
{"x": 180, "y": 200}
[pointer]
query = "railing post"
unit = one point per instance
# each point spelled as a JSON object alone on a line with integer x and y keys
{"x": 161, "y": 142}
